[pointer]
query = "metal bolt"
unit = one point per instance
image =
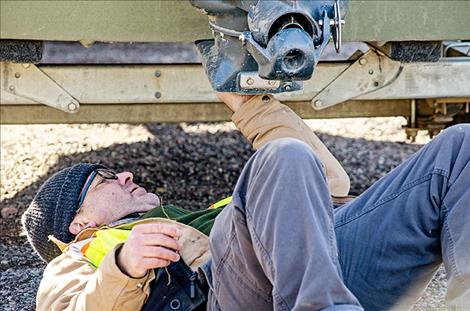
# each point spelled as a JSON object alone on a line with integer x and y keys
{"x": 158, "y": 94}
{"x": 158, "y": 73}
{"x": 288, "y": 88}
{"x": 72, "y": 107}
{"x": 250, "y": 81}
{"x": 11, "y": 88}
{"x": 371, "y": 72}
{"x": 266, "y": 99}
{"x": 17, "y": 75}
{"x": 318, "y": 103}
{"x": 363, "y": 61}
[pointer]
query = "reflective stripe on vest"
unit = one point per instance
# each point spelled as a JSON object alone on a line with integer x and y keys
{"x": 221, "y": 203}
{"x": 104, "y": 241}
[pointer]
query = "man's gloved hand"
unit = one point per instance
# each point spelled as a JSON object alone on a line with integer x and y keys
{"x": 149, "y": 246}
{"x": 233, "y": 100}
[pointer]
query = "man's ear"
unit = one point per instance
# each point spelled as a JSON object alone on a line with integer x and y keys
{"x": 80, "y": 223}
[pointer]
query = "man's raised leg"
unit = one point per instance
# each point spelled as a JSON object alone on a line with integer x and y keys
{"x": 274, "y": 246}
{"x": 394, "y": 236}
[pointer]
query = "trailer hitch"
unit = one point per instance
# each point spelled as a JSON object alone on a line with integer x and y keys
{"x": 261, "y": 46}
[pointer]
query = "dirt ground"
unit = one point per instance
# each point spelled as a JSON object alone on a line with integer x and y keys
{"x": 190, "y": 165}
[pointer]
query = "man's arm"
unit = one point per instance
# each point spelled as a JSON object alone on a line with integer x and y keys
{"x": 263, "y": 121}
{"x": 121, "y": 281}
{"x": 71, "y": 283}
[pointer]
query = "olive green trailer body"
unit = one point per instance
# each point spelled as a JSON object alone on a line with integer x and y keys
{"x": 430, "y": 93}
{"x": 176, "y": 21}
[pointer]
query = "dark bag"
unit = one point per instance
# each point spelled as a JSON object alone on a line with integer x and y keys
{"x": 183, "y": 292}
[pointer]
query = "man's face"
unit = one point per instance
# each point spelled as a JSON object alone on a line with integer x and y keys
{"x": 108, "y": 200}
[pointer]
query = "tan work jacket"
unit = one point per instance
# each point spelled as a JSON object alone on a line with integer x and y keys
{"x": 71, "y": 283}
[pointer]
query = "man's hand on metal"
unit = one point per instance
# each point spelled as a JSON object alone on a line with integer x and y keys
{"x": 233, "y": 100}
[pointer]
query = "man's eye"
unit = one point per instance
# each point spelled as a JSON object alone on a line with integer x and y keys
{"x": 100, "y": 181}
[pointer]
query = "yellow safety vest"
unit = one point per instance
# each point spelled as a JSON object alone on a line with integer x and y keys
{"x": 106, "y": 239}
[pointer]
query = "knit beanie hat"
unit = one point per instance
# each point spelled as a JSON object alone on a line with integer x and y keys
{"x": 53, "y": 209}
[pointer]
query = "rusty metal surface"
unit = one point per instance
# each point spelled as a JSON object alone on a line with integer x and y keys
{"x": 64, "y": 52}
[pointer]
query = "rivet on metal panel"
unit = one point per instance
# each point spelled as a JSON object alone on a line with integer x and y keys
{"x": 250, "y": 81}
{"x": 158, "y": 73}
{"x": 158, "y": 94}
{"x": 17, "y": 75}
{"x": 287, "y": 88}
{"x": 266, "y": 99}
{"x": 363, "y": 61}
{"x": 11, "y": 88}
{"x": 376, "y": 83}
{"x": 72, "y": 107}
{"x": 318, "y": 103}
{"x": 371, "y": 71}
{"x": 26, "y": 65}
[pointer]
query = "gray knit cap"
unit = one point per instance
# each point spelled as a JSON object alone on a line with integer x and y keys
{"x": 53, "y": 209}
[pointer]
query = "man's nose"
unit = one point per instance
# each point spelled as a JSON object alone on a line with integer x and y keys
{"x": 125, "y": 177}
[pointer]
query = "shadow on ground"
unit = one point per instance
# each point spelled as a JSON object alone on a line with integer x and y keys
{"x": 193, "y": 170}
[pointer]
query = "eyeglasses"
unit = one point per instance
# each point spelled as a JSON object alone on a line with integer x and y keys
{"x": 104, "y": 173}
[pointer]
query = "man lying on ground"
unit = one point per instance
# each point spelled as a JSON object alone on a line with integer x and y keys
{"x": 278, "y": 245}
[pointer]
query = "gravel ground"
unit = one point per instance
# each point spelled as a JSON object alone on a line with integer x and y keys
{"x": 191, "y": 165}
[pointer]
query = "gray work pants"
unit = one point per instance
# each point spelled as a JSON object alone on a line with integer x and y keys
{"x": 280, "y": 246}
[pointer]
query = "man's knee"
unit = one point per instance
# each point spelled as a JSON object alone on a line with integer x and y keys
{"x": 459, "y": 133}
{"x": 290, "y": 151}
{"x": 452, "y": 145}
